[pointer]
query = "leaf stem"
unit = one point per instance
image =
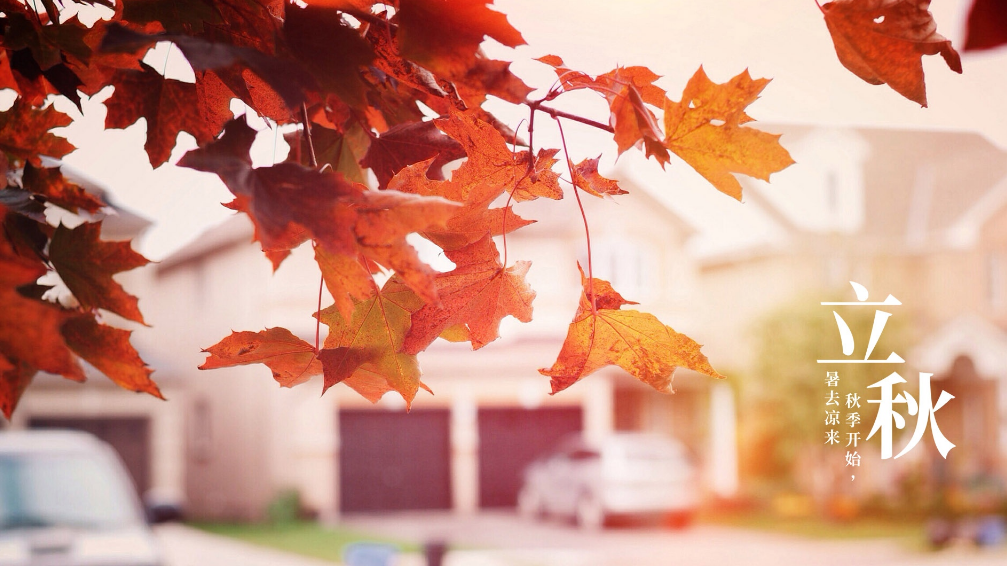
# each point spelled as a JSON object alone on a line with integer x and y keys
{"x": 587, "y": 230}
{"x": 307, "y": 134}
{"x": 318, "y": 313}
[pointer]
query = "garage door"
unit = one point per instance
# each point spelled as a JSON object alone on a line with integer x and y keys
{"x": 394, "y": 461}
{"x": 509, "y": 439}
{"x": 129, "y": 436}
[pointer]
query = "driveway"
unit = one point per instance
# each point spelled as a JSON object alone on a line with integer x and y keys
{"x": 502, "y": 539}
{"x": 506, "y": 540}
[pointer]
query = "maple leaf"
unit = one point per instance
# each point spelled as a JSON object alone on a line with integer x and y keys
{"x": 716, "y": 150}
{"x": 43, "y": 51}
{"x": 586, "y": 177}
{"x": 366, "y": 349}
{"x": 286, "y": 77}
{"x": 473, "y": 220}
{"x": 86, "y": 264}
{"x": 602, "y": 334}
{"x": 627, "y": 90}
{"x": 24, "y": 132}
{"x": 444, "y": 35}
{"x": 292, "y": 360}
{"x": 289, "y": 204}
{"x": 14, "y": 379}
{"x": 29, "y": 328}
{"x": 340, "y": 150}
{"x": 987, "y": 25}
{"x": 476, "y": 296}
{"x": 168, "y": 105}
{"x": 47, "y": 44}
{"x": 50, "y": 183}
{"x": 108, "y": 349}
{"x": 491, "y": 162}
{"x": 489, "y": 76}
{"x": 346, "y": 278}
{"x": 884, "y": 41}
{"x": 410, "y": 143}
{"x": 314, "y": 34}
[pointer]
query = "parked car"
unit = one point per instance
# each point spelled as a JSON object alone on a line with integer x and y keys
{"x": 626, "y": 474}
{"x": 66, "y": 500}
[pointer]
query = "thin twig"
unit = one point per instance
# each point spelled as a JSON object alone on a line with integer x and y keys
{"x": 587, "y": 231}
{"x": 556, "y": 113}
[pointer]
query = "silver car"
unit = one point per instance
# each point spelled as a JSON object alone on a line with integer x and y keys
{"x": 66, "y": 500}
{"x": 626, "y": 474}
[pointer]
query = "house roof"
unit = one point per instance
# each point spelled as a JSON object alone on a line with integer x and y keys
{"x": 920, "y": 189}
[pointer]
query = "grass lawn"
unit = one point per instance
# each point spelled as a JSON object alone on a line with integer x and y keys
{"x": 305, "y": 538}
{"x": 909, "y": 530}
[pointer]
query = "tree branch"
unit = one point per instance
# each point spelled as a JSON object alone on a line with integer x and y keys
{"x": 555, "y": 113}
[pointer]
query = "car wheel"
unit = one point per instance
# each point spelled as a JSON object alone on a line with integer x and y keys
{"x": 590, "y": 515}
{"x": 529, "y": 504}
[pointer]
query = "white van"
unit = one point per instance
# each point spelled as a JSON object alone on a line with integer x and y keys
{"x": 625, "y": 474}
{"x": 66, "y": 500}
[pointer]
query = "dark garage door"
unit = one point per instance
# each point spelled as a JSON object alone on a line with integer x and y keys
{"x": 129, "y": 436}
{"x": 392, "y": 461}
{"x": 509, "y": 439}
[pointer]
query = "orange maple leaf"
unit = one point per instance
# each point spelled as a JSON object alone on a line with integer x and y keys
{"x": 475, "y": 297}
{"x": 627, "y": 90}
{"x": 50, "y": 183}
{"x": 705, "y": 130}
{"x": 602, "y": 334}
{"x": 14, "y": 379}
{"x": 292, "y": 360}
{"x": 168, "y": 105}
{"x": 365, "y": 350}
{"x": 86, "y": 264}
{"x": 108, "y": 349}
{"x": 24, "y": 132}
{"x": 30, "y": 336}
{"x": 884, "y": 41}
{"x": 444, "y": 35}
{"x": 587, "y": 178}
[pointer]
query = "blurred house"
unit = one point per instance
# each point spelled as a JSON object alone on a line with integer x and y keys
{"x": 229, "y": 441}
{"x": 916, "y": 214}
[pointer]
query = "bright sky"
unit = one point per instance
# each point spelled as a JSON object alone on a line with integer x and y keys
{"x": 783, "y": 39}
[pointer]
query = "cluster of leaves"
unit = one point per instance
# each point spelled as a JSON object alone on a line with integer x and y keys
{"x": 359, "y": 77}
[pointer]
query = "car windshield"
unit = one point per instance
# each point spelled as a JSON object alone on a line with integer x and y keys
{"x": 73, "y": 490}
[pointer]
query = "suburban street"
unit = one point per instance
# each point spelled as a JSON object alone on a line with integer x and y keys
{"x": 502, "y": 539}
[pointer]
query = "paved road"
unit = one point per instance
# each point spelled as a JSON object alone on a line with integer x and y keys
{"x": 512, "y": 542}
